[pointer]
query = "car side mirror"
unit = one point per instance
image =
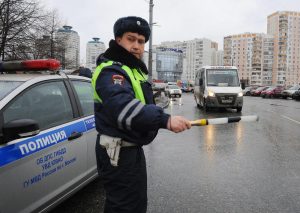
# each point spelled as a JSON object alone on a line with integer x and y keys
{"x": 201, "y": 82}
{"x": 20, "y": 128}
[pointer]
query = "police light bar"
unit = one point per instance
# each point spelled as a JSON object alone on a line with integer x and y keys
{"x": 30, "y": 65}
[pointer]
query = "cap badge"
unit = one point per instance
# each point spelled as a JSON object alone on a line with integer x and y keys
{"x": 138, "y": 22}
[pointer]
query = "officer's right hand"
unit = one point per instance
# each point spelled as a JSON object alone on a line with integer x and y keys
{"x": 178, "y": 124}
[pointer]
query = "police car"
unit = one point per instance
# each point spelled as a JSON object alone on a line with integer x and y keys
{"x": 47, "y": 135}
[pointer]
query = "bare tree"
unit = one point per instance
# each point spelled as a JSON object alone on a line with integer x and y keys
{"x": 19, "y": 21}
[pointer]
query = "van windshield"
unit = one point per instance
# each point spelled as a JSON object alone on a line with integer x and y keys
{"x": 222, "y": 78}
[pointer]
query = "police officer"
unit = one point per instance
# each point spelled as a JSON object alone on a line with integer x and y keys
{"x": 126, "y": 117}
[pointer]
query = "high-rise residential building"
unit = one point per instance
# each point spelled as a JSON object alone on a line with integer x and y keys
{"x": 93, "y": 50}
{"x": 285, "y": 27}
{"x": 69, "y": 42}
{"x": 217, "y": 58}
{"x": 252, "y": 54}
{"x": 196, "y": 53}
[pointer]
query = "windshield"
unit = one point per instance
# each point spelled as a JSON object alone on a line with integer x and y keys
{"x": 222, "y": 78}
{"x": 173, "y": 87}
{"x": 7, "y": 87}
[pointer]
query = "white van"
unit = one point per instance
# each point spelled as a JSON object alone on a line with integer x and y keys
{"x": 218, "y": 87}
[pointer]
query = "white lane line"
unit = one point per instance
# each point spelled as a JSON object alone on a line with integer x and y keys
{"x": 290, "y": 119}
{"x": 297, "y": 122}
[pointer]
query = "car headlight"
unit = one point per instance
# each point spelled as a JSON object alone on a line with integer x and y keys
{"x": 240, "y": 94}
{"x": 211, "y": 93}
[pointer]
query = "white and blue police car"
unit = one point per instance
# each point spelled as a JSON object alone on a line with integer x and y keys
{"x": 47, "y": 135}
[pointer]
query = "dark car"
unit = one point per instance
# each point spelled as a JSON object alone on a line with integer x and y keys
{"x": 296, "y": 95}
{"x": 272, "y": 92}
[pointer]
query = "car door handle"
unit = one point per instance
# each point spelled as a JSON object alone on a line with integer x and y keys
{"x": 75, "y": 135}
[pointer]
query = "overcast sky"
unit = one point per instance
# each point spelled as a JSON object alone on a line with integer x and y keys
{"x": 177, "y": 20}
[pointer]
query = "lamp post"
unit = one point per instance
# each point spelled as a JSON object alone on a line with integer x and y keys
{"x": 150, "y": 40}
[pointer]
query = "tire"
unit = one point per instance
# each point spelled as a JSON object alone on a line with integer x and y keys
{"x": 205, "y": 107}
{"x": 239, "y": 109}
{"x": 248, "y": 93}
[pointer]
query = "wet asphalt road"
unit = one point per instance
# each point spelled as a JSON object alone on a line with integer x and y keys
{"x": 237, "y": 167}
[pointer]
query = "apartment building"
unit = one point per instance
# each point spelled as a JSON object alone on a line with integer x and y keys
{"x": 217, "y": 58}
{"x": 285, "y": 27}
{"x": 252, "y": 54}
{"x": 70, "y": 47}
{"x": 93, "y": 49}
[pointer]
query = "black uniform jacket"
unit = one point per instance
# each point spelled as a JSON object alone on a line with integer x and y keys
{"x": 120, "y": 114}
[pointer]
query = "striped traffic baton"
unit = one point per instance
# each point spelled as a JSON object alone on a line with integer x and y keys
{"x": 212, "y": 121}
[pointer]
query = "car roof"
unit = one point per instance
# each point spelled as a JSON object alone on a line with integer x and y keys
{"x": 18, "y": 77}
{"x": 27, "y": 77}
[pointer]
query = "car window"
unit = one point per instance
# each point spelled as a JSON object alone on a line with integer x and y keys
{"x": 47, "y": 103}
{"x": 84, "y": 91}
{"x": 7, "y": 87}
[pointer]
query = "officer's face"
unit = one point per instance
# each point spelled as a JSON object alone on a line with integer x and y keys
{"x": 133, "y": 43}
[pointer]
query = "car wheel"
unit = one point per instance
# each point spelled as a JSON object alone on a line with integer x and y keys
{"x": 248, "y": 93}
{"x": 239, "y": 109}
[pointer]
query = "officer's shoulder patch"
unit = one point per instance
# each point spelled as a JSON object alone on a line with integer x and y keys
{"x": 118, "y": 79}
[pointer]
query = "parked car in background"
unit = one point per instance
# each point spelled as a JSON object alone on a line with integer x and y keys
{"x": 272, "y": 92}
{"x": 288, "y": 93}
{"x": 173, "y": 91}
{"x": 258, "y": 90}
{"x": 47, "y": 135}
{"x": 296, "y": 95}
{"x": 247, "y": 90}
{"x": 186, "y": 86}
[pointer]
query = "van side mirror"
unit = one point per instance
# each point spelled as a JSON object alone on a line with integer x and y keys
{"x": 201, "y": 82}
{"x": 243, "y": 85}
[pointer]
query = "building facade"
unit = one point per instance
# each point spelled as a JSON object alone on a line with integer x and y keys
{"x": 93, "y": 50}
{"x": 252, "y": 54}
{"x": 169, "y": 64}
{"x": 285, "y": 27}
{"x": 70, "y": 47}
{"x": 196, "y": 53}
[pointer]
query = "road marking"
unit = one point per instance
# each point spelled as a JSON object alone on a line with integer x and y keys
{"x": 290, "y": 119}
{"x": 297, "y": 122}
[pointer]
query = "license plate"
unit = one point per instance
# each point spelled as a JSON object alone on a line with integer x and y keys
{"x": 226, "y": 101}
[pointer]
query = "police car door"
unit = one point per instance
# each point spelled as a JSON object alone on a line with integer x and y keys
{"x": 84, "y": 95}
{"x": 37, "y": 171}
